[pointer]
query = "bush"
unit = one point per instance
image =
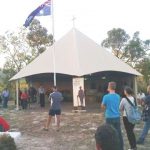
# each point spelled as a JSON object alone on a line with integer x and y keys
{"x": 7, "y": 143}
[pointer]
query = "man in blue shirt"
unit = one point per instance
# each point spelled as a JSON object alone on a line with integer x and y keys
{"x": 5, "y": 96}
{"x": 110, "y": 104}
{"x": 55, "y": 108}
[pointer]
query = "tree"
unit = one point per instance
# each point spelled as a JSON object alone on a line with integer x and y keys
{"x": 129, "y": 50}
{"x": 116, "y": 41}
{"x": 17, "y": 53}
{"x": 144, "y": 68}
{"x": 16, "y": 49}
{"x": 22, "y": 46}
{"x": 38, "y": 38}
{"x": 134, "y": 50}
{"x": 147, "y": 45}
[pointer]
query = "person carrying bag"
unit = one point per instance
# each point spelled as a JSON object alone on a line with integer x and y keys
{"x": 129, "y": 107}
{"x": 133, "y": 114}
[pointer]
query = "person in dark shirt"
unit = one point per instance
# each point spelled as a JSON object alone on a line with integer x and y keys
{"x": 32, "y": 94}
{"x": 107, "y": 138}
{"x": 41, "y": 92}
{"x": 0, "y": 98}
{"x": 19, "y": 97}
{"x": 81, "y": 95}
{"x": 55, "y": 108}
{"x": 145, "y": 102}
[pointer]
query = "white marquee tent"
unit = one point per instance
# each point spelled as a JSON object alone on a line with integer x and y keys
{"x": 75, "y": 54}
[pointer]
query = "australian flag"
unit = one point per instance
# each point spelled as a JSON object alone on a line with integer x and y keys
{"x": 42, "y": 10}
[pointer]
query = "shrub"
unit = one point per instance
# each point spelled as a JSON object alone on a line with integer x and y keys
{"x": 7, "y": 143}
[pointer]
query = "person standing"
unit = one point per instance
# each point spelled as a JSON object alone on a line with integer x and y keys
{"x": 110, "y": 104}
{"x": 19, "y": 97}
{"x": 0, "y": 98}
{"x": 5, "y": 97}
{"x": 106, "y": 138}
{"x": 145, "y": 102}
{"x": 41, "y": 92}
{"x": 32, "y": 94}
{"x": 24, "y": 99}
{"x": 140, "y": 96}
{"x": 81, "y": 95}
{"x": 55, "y": 108}
{"x": 125, "y": 106}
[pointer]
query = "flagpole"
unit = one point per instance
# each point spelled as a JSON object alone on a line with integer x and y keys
{"x": 53, "y": 51}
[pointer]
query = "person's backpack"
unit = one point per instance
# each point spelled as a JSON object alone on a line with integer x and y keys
{"x": 133, "y": 114}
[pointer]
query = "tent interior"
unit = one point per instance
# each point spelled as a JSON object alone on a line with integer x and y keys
{"x": 95, "y": 85}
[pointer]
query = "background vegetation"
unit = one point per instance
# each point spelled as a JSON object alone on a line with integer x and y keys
{"x": 22, "y": 46}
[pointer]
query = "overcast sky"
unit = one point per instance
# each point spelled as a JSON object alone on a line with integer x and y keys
{"x": 93, "y": 17}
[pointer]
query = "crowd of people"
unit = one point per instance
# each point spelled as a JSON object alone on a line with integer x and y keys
{"x": 31, "y": 95}
{"x": 114, "y": 105}
{"x": 109, "y": 135}
{"x": 25, "y": 96}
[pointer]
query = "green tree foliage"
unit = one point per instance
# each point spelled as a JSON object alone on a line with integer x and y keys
{"x": 1, "y": 80}
{"x": 131, "y": 51}
{"x": 134, "y": 50}
{"x": 20, "y": 47}
{"x": 144, "y": 68}
{"x": 16, "y": 50}
{"x": 17, "y": 54}
{"x": 38, "y": 38}
{"x": 116, "y": 41}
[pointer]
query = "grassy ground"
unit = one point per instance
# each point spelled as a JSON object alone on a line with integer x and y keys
{"x": 77, "y": 129}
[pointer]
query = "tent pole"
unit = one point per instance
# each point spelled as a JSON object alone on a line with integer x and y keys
{"x": 17, "y": 97}
{"x": 135, "y": 86}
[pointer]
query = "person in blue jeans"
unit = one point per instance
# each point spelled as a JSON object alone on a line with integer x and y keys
{"x": 126, "y": 106}
{"x": 146, "y": 101}
{"x": 110, "y": 104}
{"x": 5, "y": 96}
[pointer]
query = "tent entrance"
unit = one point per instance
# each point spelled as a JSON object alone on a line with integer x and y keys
{"x": 95, "y": 84}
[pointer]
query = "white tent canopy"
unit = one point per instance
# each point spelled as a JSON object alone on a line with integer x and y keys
{"x": 75, "y": 54}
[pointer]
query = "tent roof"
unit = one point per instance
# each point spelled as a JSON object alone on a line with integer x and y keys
{"x": 75, "y": 54}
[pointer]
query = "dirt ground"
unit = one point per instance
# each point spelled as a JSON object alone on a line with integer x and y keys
{"x": 76, "y": 133}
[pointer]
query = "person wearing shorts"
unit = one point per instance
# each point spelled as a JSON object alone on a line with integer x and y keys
{"x": 53, "y": 112}
{"x": 55, "y": 108}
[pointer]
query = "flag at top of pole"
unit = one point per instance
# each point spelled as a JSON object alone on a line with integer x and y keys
{"x": 43, "y": 10}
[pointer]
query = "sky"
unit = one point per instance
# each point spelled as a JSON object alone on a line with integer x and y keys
{"x": 93, "y": 17}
